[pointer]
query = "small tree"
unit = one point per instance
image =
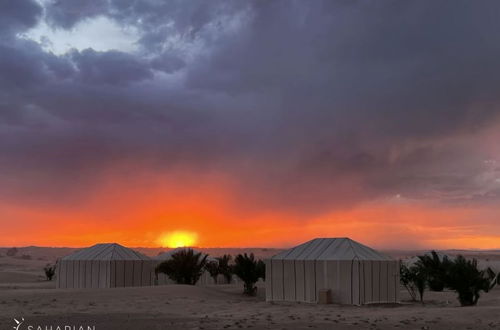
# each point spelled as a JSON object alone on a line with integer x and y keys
{"x": 468, "y": 281}
{"x": 414, "y": 279}
{"x": 185, "y": 267}
{"x": 436, "y": 270}
{"x": 225, "y": 268}
{"x": 247, "y": 269}
{"x": 261, "y": 269}
{"x": 212, "y": 268}
{"x": 50, "y": 271}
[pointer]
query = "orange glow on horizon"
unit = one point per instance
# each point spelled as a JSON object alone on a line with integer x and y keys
{"x": 144, "y": 212}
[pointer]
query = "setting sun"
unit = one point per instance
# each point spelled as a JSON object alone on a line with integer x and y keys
{"x": 177, "y": 239}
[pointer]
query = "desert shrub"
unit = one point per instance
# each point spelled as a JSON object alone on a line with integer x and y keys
{"x": 468, "y": 281}
{"x": 50, "y": 271}
{"x": 11, "y": 252}
{"x": 212, "y": 268}
{"x": 247, "y": 269}
{"x": 225, "y": 268}
{"x": 261, "y": 269}
{"x": 414, "y": 279}
{"x": 185, "y": 266}
{"x": 436, "y": 270}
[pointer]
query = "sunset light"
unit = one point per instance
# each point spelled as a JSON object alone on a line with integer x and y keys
{"x": 177, "y": 239}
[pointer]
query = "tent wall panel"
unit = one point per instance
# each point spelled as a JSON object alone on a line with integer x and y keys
{"x": 70, "y": 278}
{"x": 391, "y": 284}
{"x": 129, "y": 273}
{"x": 376, "y": 281}
{"x": 345, "y": 281}
{"x": 397, "y": 282}
{"x": 289, "y": 280}
{"x": 63, "y": 265}
{"x": 368, "y": 279}
{"x": 384, "y": 288}
{"x": 147, "y": 273}
{"x": 355, "y": 283}
{"x": 278, "y": 279}
{"x": 76, "y": 274}
{"x": 82, "y": 275}
{"x": 112, "y": 274}
{"x": 310, "y": 279}
{"x": 103, "y": 269}
{"x": 332, "y": 280}
{"x": 120, "y": 274}
{"x": 88, "y": 274}
{"x": 269, "y": 280}
{"x": 137, "y": 279}
{"x": 95, "y": 274}
{"x": 299, "y": 280}
{"x": 361, "y": 275}
{"x": 321, "y": 277}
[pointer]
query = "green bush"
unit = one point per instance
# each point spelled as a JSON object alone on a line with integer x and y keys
{"x": 225, "y": 268}
{"x": 212, "y": 268}
{"x": 247, "y": 269}
{"x": 185, "y": 267}
{"x": 436, "y": 270}
{"x": 468, "y": 281}
{"x": 50, "y": 271}
{"x": 414, "y": 279}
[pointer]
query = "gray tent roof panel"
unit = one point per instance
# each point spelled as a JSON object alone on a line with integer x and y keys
{"x": 331, "y": 249}
{"x": 106, "y": 251}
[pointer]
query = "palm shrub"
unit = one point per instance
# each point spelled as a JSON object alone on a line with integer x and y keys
{"x": 50, "y": 271}
{"x": 436, "y": 270}
{"x": 468, "y": 281}
{"x": 212, "y": 268}
{"x": 261, "y": 269}
{"x": 414, "y": 279}
{"x": 185, "y": 266}
{"x": 247, "y": 269}
{"x": 225, "y": 268}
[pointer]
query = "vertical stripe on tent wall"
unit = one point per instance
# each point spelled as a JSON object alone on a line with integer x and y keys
{"x": 269, "y": 280}
{"x": 95, "y": 273}
{"x": 299, "y": 280}
{"x": 355, "y": 283}
{"x": 361, "y": 282}
{"x": 103, "y": 269}
{"x": 332, "y": 279}
{"x": 368, "y": 275}
{"x": 278, "y": 279}
{"x": 119, "y": 273}
{"x": 310, "y": 281}
{"x": 384, "y": 289}
{"x": 345, "y": 281}
{"x": 391, "y": 278}
{"x": 289, "y": 280}
{"x": 69, "y": 271}
{"x": 376, "y": 281}
{"x": 88, "y": 273}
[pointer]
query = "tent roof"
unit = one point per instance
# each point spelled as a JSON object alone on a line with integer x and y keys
{"x": 106, "y": 251}
{"x": 168, "y": 254}
{"x": 331, "y": 249}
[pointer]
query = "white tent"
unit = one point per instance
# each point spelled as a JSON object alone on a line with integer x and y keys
{"x": 205, "y": 278}
{"x": 106, "y": 265}
{"x": 354, "y": 273}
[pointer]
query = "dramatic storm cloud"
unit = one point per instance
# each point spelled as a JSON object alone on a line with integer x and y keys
{"x": 250, "y": 113}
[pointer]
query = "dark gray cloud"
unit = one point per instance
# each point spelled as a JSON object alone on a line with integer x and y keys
{"x": 307, "y": 105}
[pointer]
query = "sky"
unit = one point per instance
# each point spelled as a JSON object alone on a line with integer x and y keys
{"x": 250, "y": 123}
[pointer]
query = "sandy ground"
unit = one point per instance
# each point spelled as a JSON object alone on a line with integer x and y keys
{"x": 24, "y": 293}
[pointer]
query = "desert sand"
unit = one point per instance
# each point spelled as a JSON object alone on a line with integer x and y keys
{"x": 25, "y": 293}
